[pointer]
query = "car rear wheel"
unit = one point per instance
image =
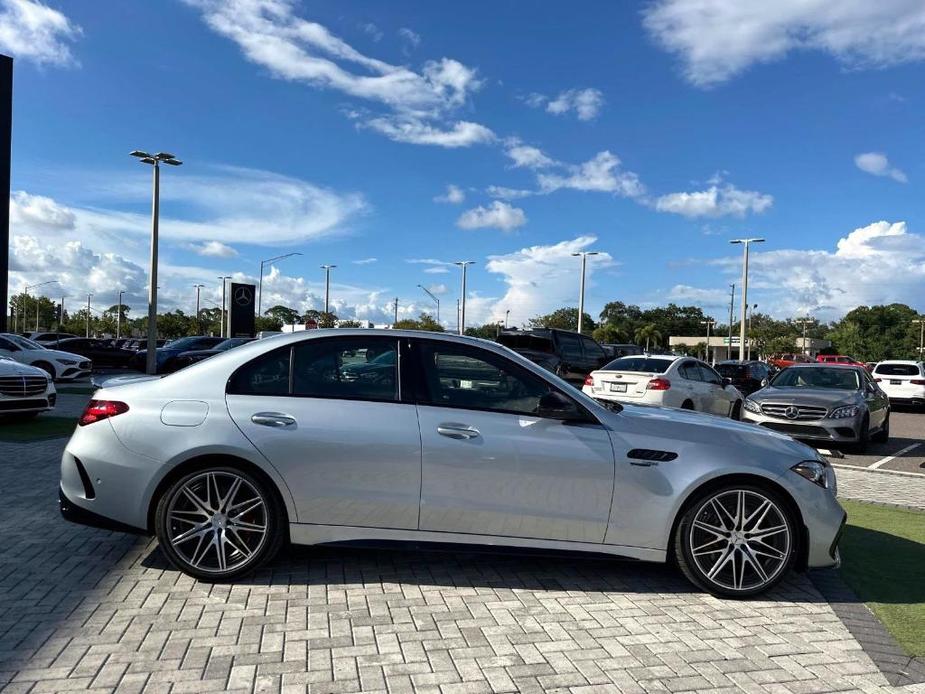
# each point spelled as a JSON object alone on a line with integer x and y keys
{"x": 736, "y": 541}
{"x": 218, "y": 523}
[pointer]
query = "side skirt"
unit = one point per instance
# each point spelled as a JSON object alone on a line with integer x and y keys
{"x": 307, "y": 534}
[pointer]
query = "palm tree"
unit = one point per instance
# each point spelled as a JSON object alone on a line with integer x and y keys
{"x": 648, "y": 332}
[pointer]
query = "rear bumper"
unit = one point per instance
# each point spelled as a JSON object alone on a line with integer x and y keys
{"x": 76, "y": 514}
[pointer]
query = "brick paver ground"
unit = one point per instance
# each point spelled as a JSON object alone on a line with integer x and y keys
{"x": 84, "y": 609}
{"x": 882, "y": 487}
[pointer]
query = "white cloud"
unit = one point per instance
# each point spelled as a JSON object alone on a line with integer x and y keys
{"x": 602, "y": 173}
{"x": 539, "y": 279}
{"x": 715, "y": 201}
{"x": 39, "y": 211}
{"x": 365, "y": 261}
{"x": 698, "y": 295}
{"x": 414, "y": 131}
{"x": 498, "y": 215}
{"x": 881, "y": 263}
{"x": 213, "y": 249}
{"x": 586, "y": 103}
{"x": 525, "y": 156}
{"x": 434, "y": 266}
{"x": 373, "y": 31}
{"x": 453, "y": 195}
{"x": 718, "y": 39}
{"x": 437, "y": 270}
{"x": 30, "y": 30}
{"x": 438, "y": 289}
{"x": 507, "y": 193}
{"x": 878, "y": 164}
{"x": 410, "y": 38}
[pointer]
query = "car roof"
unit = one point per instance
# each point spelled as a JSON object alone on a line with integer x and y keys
{"x": 666, "y": 357}
{"x": 823, "y": 365}
{"x": 909, "y": 362}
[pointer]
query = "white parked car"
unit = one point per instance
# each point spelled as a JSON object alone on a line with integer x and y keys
{"x": 666, "y": 380}
{"x": 902, "y": 380}
{"x": 24, "y": 390}
{"x": 61, "y": 366}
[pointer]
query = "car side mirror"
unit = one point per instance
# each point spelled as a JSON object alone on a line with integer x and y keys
{"x": 555, "y": 404}
{"x": 764, "y": 382}
{"x": 727, "y": 381}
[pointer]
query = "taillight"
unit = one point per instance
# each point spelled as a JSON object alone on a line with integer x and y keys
{"x": 917, "y": 382}
{"x": 658, "y": 384}
{"x": 101, "y": 409}
{"x": 589, "y": 380}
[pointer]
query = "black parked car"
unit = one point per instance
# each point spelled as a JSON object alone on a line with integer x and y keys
{"x": 166, "y": 355}
{"x": 100, "y": 352}
{"x": 184, "y": 359}
{"x": 567, "y": 354}
{"x": 746, "y": 376}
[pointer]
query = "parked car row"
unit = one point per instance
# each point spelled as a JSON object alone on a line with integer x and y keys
{"x": 58, "y": 364}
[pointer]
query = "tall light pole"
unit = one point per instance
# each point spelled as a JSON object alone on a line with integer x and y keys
{"x": 260, "y": 283}
{"x": 119, "y": 315}
{"x": 198, "y": 319}
{"x": 581, "y": 285}
{"x": 35, "y": 286}
{"x": 154, "y": 160}
{"x": 750, "y": 314}
{"x": 921, "y": 324}
{"x": 745, "y": 243}
{"x": 327, "y": 286}
{"x": 732, "y": 299}
{"x": 709, "y": 323}
{"x": 462, "y": 295}
{"x": 88, "y": 314}
{"x": 431, "y": 295}
{"x": 808, "y": 320}
{"x": 396, "y": 312}
{"x": 223, "y": 280}
{"x": 507, "y": 313}
{"x": 61, "y": 317}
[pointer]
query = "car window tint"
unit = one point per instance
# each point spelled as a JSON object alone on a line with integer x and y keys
{"x": 709, "y": 375}
{"x": 268, "y": 374}
{"x": 461, "y": 377}
{"x": 690, "y": 371}
{"x": 6, "y": 344}
{"x": 592, "y": 349}
{"x": 569, "y": 346}
{"x": 640, "y": 364}
{"x": 351, "y": 368}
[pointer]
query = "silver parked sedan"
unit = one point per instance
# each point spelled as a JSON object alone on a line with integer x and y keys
{"x": 441, "y": 439}
{"x": 838, "y": 404}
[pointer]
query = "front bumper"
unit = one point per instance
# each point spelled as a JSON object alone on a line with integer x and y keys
{"x": 833, "y": 430}
{"x": 73, "y": 372}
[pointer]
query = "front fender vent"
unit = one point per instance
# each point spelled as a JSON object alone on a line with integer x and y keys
{"x": 651, "y": 456}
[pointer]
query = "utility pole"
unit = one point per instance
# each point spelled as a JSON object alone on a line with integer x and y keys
{"x": 751, "y": 313}
{"x": 119, "y": 315}
{"x": 436, "y": 300}
{"x": 921, "y": 323}
{"x": 327, "y": 286}
{"x": 506, "y": 314}
{"x": 808, "y": 320}
{"x": 709, "y": 323}
{"x": 396, "y": 311}
{"x": 745, "y": 243}
{"x": 462, "y": 295}
{"x": 198, "y": 318}
{"x": 61, "y": 317}
{"x": 457, "y": 315}
{"x": 223, "y": 278}
{"x": 88, "y": 314}
{"x": 581, "y": 286}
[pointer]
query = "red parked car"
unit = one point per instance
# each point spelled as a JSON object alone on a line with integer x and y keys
{"x": 838, "y": 359}
{"x": 782, "y": 361}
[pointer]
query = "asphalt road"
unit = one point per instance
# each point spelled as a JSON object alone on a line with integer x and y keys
{"x": 904, "y": 452}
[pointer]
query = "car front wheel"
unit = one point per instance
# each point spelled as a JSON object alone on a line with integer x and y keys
{"x": 736, "y": 541}
{"x": 218, "y": 523}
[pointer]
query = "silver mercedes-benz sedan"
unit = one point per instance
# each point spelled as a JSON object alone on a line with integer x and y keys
{"x": 356, "y": 435}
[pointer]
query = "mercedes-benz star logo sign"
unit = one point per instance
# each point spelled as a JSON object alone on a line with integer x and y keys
{"x": 792, "y": 412}
{"x": 243, "y": 296}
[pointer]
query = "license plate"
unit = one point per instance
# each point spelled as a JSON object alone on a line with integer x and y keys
{"x": 617, "y": 387}
{"x": 895, "y": 382}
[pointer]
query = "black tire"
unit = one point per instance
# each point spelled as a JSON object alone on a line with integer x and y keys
{"x": 736, "y": 411}
{"x": 271, "y": 516}
{"x": 687, "y": 405}
{"x": 863, "y": 442}
{"x": 47, "y": 368}
{"x": 695, "y": 573}
{"x": 883, "y": 436}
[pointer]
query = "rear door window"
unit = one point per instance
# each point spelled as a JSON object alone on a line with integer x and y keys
{"x": 348, "y": 368}
{"x": 569, "y": 347}
{"x": 690, "y": 371}
{"x": 593, "y": 351}
{"x": 268, "y": 374}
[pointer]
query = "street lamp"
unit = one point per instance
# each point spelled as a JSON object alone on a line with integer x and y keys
{"x": 462, "y": 307}
{"x": 327, "y": 285}
{"x": 198, "y": 319}
{"x": 119, "y": 315}
{"x": 223, "y": 278}
{"x": 260, "y": 284}
{"x": 709, "y": 323}
{"x": 88, "y": 314}
{"x": 154, "y": 160}
{"x": 430, "y": 294}
{"x": 35, "y": 286}
{"x": 746, "y": 243}
{"x": 581, "y": 287}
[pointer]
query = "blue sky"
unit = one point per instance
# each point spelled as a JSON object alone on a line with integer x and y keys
{"x": 372, "y": 135}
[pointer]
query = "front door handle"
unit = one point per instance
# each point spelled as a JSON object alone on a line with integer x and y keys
{"x": 457, "y": 431}
{"x": 277, "y": 420}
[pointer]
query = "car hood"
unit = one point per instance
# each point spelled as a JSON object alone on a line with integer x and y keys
{"x": 820, "y": 397}
{"x": 8, "y": 367}
{"x": 58, "y": 354}
{"x": 667, "y": 428}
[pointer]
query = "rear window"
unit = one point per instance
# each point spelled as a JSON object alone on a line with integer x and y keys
{"x": 897, "y": 369}
{"x": 732, "y": 370}
{"x": 534, "y": 343}
{"x": 641, "y": 364}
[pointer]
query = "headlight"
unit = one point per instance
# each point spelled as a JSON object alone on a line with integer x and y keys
{"x": 844, "y": 412}
{"x": 752, "y": 406}
{"x": 813, "y": 470}
{"x": 67, "y": 362}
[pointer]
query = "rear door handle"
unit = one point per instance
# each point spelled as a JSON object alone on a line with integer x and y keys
{"x": 457, "y": 431}
{"x": 277, "y": 420}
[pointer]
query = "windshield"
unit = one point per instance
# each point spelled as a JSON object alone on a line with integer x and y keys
{"x": 641, "y": 364}
{"x": 24, "y": 342}
{"x": 183, "y": 342}
{"x": 823, "y": 377}
{"x": 231, "y": 342}
{"x": 534, "y": 343}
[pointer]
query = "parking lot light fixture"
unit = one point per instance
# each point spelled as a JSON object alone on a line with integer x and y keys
{"x": 436, "y": 300}
{"x": 264, "y": 263}
{"x": 462, "y": 294}
{"x": 198, "y": 319}
{"x": 581, "y": 285}
{"x": 119, "y": 315}
{"x": 745, "y": 243}
{"x": 327, "y": 286}
{"x": 709, "y": 323}
{"x": 154, "y": 160}
{"x": 807, "y": 320}
{"x": 223, "y": 279}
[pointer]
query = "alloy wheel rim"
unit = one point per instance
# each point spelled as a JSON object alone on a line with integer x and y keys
{"x": 740, "y": 540}
{"x": 217, "y": 522}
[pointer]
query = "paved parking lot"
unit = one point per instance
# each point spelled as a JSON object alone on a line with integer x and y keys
{"x": 904, "y": 452}
{"x": 85, "y": 609}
